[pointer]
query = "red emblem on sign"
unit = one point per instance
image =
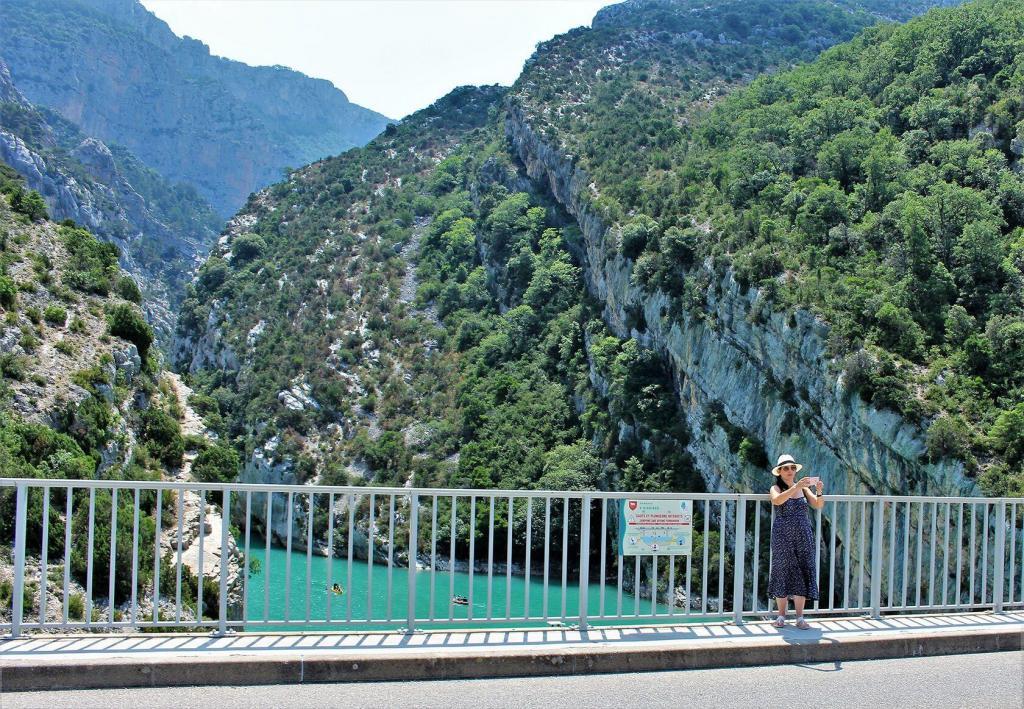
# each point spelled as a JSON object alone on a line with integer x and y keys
{"x": 632, "y": 504}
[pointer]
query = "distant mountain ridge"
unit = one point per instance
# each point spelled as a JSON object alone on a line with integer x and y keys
{"x": 120, "y": 74}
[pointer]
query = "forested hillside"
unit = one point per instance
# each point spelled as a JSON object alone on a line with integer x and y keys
{"x": 880, "y": 187}
{"x": 517, "y": 288}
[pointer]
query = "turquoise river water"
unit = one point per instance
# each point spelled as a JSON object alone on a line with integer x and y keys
{"x": 370, "y": 588}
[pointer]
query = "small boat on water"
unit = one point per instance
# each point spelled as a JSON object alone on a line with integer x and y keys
{"x": 460, "y": 600}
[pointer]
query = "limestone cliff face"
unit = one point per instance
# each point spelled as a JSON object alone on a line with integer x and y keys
{"x": 770, "y": 374}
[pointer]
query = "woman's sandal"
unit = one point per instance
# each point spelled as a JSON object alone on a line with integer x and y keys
{"x": 802, "y": 624}
{"x": 779, "y": 622}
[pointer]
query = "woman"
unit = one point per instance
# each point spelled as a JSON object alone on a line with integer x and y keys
{"x": 793, "y": 570}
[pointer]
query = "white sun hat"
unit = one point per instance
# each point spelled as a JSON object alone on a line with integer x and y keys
{"x": 786, "y": 459}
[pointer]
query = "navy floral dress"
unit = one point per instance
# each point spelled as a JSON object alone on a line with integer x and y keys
{"x": 793, "y": 572}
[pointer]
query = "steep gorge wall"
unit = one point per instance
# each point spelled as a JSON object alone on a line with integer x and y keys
{"x": 737, "y": 355}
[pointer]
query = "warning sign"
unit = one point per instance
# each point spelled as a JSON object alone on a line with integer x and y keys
{"x": 649, "y": 527}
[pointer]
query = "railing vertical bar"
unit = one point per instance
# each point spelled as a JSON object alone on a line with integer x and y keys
{"x": 619, "y": 561}
{"x": 113, "y": 557}
{"x": 817, "y": 554}
{"x": 653, "y": 578}
{"x": 529, "y": 550}
{"x": 931, "y": 556}
{"x": 670, "y": 592}
{"x": 391, "y": 555}
{"x": 584, "y": 591}
{"x": 604, "y": 552}
{"x": 565, "y": 554}
{"x": 20, "y": 531}
{"x": 906, "y": 551}
{"x": 972, "y": 547}
{"x": 158, "y": 527}
{"x": 267, "y": 534}
{"x": 847, "y": 542}
{"x": 984, "y": 555}
{"x": 508, "y": 560}
{"x": 180, "y": 512}
{"x": 959, "y": 553}
{"x": 755, "y": 601}
{"x": 68, "y": 523}
{"x": 311, "y": 501}
{"x": 1021, "y": 566}
{"x": 998, "y": 566}
{"x": 350, "y": 552}
{"x": 739, "y": 561}
{"x": 44, "y": 551}
{"x": 833, "y": 525}
{"x": 945, "y": 556}
{"x": 877, "y": 530}
{"x": 723, "y": 513}
{"x": 309, "y": 554}
{"x": 704, "y": 565}
{"x": 863, "y": 556}
{"x": 288, "y": 558}
{"x": 890, "y": 595}
{"x": 547, "y": 554}
{"x": 371, "y": 533}
{"x": 451, "y": 559}
{"x": 490, "y": 556}
{"x": 636, "y": 585}
{"x": 1013, "y": 548}
{"x": 202, "y": 558}
{"x": 225, "y": 537}
{"x": 135, "y": 559}
{"x": 918, "y": 557}
{"x": 472, "y": 552}
{"x": 433, "y": 554}
{"x": 247, "y": 560}
{"x": 689, "y": 557}
{"x": 329, "y": 586}
{"x": 413, "y": 552}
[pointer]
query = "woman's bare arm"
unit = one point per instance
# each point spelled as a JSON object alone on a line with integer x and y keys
{"x": 779, "y": 497}
{"x": 813, "y": 499}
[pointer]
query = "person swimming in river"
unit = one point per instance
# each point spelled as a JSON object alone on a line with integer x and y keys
{"x": 460, "y": 600}
{"x": 336, "y": 588}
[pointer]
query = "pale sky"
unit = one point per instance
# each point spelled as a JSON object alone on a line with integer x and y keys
{"x": 394, "y": 56}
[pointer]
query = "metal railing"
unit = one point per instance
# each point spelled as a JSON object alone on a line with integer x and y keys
{"x": 470, "y": 557}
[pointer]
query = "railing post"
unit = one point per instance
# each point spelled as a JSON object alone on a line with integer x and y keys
{"x": 414, "y": 519}
{"x": 584, "y": 561}
{"x": 997, "y": 557}
{"x": 18, "y": 601}
{"x": 739, "y": 560}
{"x": 876, "y": 559}
{"x": 225, "y": 535}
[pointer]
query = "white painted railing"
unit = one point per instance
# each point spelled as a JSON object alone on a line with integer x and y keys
{"x": 874, "y": 555}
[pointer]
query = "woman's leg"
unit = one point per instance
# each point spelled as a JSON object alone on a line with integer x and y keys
{"x": 798, "y": 603}
{"x": 782, "y": 603}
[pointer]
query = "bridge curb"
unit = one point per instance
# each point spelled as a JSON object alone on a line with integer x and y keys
{"x": 444, "y": 663}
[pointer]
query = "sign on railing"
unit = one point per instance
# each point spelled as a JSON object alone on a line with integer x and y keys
{"x": 153, "y": 555}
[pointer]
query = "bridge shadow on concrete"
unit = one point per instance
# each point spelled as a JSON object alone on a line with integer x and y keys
{"x": 822, "y": 631}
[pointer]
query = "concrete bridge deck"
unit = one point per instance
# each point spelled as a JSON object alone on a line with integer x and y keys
{"x": 93, "y": 661}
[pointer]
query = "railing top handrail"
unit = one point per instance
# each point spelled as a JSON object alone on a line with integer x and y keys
{"x": 463, "y": 492}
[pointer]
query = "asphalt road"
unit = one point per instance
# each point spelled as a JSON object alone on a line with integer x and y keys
{"x": 992, "y": 680}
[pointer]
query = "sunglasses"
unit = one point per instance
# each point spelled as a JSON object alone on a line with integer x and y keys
{"x": 787, "y": 467}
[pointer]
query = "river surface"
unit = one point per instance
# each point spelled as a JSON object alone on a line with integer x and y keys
{"x": 369, "y": 588}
